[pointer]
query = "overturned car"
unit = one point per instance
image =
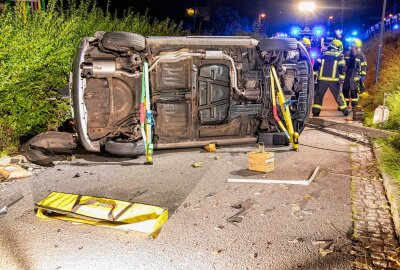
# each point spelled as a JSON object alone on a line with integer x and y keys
{"x": 130, "y": 94}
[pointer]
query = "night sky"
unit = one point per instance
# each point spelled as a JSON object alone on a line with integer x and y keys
{"x": 281, "y": 14}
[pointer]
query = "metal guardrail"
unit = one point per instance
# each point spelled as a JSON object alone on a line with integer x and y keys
{"x": 391, "y": 24}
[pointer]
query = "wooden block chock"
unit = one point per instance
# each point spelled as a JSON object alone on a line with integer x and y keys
{"x": 261, "y": 161}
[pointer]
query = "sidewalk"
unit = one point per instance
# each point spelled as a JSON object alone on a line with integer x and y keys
{"x": 331, "y": 117}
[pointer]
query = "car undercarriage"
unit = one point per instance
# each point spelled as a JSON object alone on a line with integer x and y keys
{"x": 200, "y": 90}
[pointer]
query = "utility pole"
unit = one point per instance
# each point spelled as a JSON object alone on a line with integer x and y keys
{"x": 379, "y": 56}
{"x": 194, "y": 16}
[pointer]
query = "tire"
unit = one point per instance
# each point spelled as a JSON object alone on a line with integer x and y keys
{"x": 125, "y": 149}
{"x": 122, "y": 41}
{"x": 37, "y": 156}
{"x": 54, "y": 142}
{"x": 278, "y": 44}
{"x": 273, "y": 138}
{"x": 43, "y": 148}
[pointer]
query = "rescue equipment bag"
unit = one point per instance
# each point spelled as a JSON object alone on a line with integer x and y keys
{"x": 102, "y": 211}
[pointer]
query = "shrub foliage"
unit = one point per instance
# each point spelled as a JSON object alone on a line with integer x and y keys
{"x": 389, "y": 81}
{"x": 35, "y": 57}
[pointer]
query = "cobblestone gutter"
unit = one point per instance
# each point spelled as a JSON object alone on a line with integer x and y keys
{"x": 375, "y": 245}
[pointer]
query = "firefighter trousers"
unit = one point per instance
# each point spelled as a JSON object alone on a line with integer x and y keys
{"x": 320, "y": 91}
{"x": 351, "y": 89}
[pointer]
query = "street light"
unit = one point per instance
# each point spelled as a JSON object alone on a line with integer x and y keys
{"x": 261, "y": 16}
{"x": 307, "y": 7}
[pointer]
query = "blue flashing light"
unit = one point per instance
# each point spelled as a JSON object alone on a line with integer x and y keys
{"x": 395, "y": 27}
{"x": 295, "y": 31}
{"x": 350, "y": 39}
{"x": 318, "y": 31}
{"x": 354, "y": 33}
{"x": 313, "y": 54}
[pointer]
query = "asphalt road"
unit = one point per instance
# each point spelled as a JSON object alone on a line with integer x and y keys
{"x": 288, "y": 227}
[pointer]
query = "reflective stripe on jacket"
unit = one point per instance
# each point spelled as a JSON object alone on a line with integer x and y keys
{"x": 330, "y": 66}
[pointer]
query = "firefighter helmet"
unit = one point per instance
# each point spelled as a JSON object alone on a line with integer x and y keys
{"x": 337, "y": 45}
{"x": 306, "y": 42}
{"x": 357, "y": 43}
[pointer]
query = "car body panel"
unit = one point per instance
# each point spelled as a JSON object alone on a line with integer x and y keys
{"x": 203, "y": 89}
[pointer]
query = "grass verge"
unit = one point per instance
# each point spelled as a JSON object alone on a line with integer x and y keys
{"x": 390, "y": 157}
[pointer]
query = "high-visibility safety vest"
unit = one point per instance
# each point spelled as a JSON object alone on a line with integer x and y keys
{"x": 357, "y": 64}
{"x": 330, "y": 66}
{"x": 102, "y": 211}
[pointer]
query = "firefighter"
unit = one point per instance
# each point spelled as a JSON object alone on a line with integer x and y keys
{"x": 330, "y": 67}
{"x": 306, "y": 42}
{"x": 356, "y": 63}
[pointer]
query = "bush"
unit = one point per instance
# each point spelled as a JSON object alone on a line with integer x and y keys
{"x": 389, "y": 80}
{"x": 35, "y": 58}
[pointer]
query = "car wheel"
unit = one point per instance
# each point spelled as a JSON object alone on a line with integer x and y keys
{"x": 37, "y": 156}
{"x": 122, "y": 41}
{"x": 125, "y": 149}
{"x": 273, "y": 138}
{"x": 278, "y": 44}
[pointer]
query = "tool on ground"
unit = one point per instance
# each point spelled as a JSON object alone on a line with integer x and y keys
{"x": 289, "y": 130}
{"x": 102, "y": 211}
{"x": 8, "y": 198}
{"x": 273, "y": 181}
{"x": 260, "y": 160}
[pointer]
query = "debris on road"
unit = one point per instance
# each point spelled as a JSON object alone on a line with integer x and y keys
{"x": 10, "y": 172}
{"x": 276, "y": 181}
{"x": 102, "y": 212}
{"x": 219, "y": 228}
{"x": 197, "y": 164}
{"x": 76, "y": 175}
{"x": 16, "y": 160}
{"x": 210, "y": 148}
{"x": 295, "y": 208}
{"x": 321, "y": 242}
{"x": 296, "y": 240}
{"x": 8, "y": 199}
{"x": 261, "y": 161}
{"x": 138, "y": 194}
{"x": 243, "y": 207}
{"x": 210, "y": 195}
{"x": 326, "y": 250}
{"x": 217, "y": 251}
{"x": 308, "y": 197}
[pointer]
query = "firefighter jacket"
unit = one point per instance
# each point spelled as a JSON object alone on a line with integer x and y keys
{"x": 330, "y": 66}
{"x": 357, "y": 64}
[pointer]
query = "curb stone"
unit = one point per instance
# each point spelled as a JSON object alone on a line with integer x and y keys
{"x": 352, "y": 128}
{"x": 392, "y": 191}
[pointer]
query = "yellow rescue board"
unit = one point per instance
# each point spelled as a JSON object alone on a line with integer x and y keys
{"x": 101, "y": 211}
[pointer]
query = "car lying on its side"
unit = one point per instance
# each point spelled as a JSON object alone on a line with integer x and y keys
{"x": 202, "y": 90}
